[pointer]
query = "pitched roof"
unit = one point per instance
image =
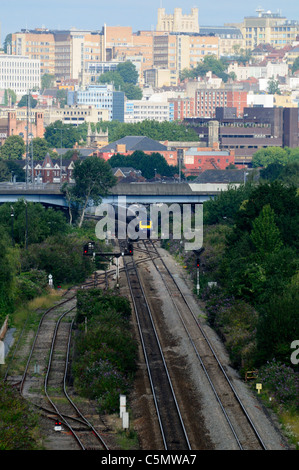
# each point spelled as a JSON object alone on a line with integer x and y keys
{"x": 133, "y": 143}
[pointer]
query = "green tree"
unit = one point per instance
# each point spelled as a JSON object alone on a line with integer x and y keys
{"x": 271, "y": 172}
{"x": 58, "y": 134}
{"x": 13, "y": 148}
{"x": 295, "y": 65}
{"x": 278, "y": 326}
{"x": 10, "y": 96}
{"x": 149, "y": 165}
{"x": 47, "y": 81}
{"x": 289, "y": 174}
{"x": 7, "y": 43}
{"x": 265, "y": 157}
{"x": 24, "y": 99}
{"x": 265, "y": 234}
{"x": 172, "y": 131}
{"x": 40, "y": 148}
{"x": 15, "y": 171}
{"x": 61, "y": 256}
{"x": 209, "y": 64}
{"x": 283, "y": 200}
{"x": 123, "y": 80}
{"x": 132, "y": 92}
{"x": 93, "y": 179}
{"x": 4, "y": 172}
{"x": 112, "y": 77}
{"x": 8, "y": 267}
{"x": 273, "y": 87}
{"x": 62, "y": 98}
{"x": 242, "y": 56}
{"x": 128, "y": 72}
{"x": 37, "y": 222}
{"x": 225, "y": 205}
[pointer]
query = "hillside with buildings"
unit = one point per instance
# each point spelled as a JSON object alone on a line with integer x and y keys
{"x": 235, "y": 85}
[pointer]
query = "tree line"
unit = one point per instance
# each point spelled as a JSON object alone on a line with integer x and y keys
{"x": 257, "y": 270}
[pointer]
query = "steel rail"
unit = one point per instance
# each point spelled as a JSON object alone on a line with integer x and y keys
{"x": 260, "y": 440}
{"x": 162, "y": 357}
{"x": 71, "y": 401}
{"x": 62, "y": 417}
{"x": 36, "y": 336}
{"x": 146, "y": 359}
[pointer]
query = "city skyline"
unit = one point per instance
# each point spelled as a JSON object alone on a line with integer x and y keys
{"x": 93, "y": 14}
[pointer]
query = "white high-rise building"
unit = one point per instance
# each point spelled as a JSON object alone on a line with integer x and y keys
{"x": 19, "y": 73}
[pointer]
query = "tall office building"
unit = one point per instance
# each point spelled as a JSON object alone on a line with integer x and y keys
{"x": 176, "y": 52}
{"x": 61, "y": 53}
{"x": 100, "y": 97}
{"x": 19, "y": 73}
{"x": 269, "y": 28}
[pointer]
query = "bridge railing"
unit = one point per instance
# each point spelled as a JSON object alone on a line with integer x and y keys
{"x": 27, "y": 186}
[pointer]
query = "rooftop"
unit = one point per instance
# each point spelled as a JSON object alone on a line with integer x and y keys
{"x": 133, "y": 143}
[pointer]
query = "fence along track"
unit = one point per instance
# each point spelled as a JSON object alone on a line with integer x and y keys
{"x": 155, "y": 255}
{"x": 170, "y": 420}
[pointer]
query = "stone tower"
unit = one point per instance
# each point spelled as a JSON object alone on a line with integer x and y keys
{"x": 178, "y": 23}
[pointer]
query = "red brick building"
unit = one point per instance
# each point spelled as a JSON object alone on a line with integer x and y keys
{"x": 50, "y": 171}
{"x": 197, "y": 160}
{"x": 182, "y": 108}
{"x": 207, "y": 100}
{"x": 13, "y": 126}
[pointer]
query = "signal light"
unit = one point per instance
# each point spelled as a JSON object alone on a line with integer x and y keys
{"x": 197, "y": 263}
{"x": 88, "y": 249}
{"x": 57, "y": 426}
{"x": 130, "y": 249}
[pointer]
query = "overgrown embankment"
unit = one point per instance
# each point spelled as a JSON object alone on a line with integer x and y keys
{"x": 252, "y": 254}
{"x": 105, "y": 349}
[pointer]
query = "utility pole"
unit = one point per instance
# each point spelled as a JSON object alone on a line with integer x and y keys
{"x": 27, "y": 143}
{"x": 60, "y": 129}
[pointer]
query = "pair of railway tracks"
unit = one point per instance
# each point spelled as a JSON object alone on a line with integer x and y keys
{"x": 51, "y": 349}
{"x": 170, "y": 420}
{"x": 241, "y": 425}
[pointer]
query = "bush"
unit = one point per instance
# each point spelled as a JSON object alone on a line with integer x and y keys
{"x": 18, "y": 424}
{"x": 235, "y": 321}
{"x": 281, "y": 383}
{"x": 95, "y": 301}
{"x": 278, "y": 325}
{"x": 100, "y": 380}
{"x": 30, "y": 285}
{"x": 60, "y": 256}
{"x": 105, "y": 354}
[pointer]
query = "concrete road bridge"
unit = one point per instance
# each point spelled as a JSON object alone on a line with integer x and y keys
{"x": 142, "y": 193}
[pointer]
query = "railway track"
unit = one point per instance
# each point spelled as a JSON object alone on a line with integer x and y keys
{"x": 242, "y": 427}
{"x": 171, "y": 423}
{"x": 67, "y": 411}
{"x": 52, "y": 340}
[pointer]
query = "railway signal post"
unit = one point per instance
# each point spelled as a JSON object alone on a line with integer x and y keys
{"x": 88, "y": 250}
{"x": 198, "y": 252}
